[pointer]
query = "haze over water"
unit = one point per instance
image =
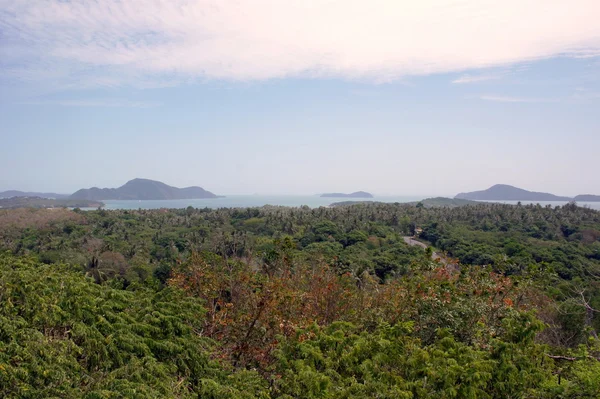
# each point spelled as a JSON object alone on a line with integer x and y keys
{"x": 312, "y": 201}
{"x": 242, "y": 201}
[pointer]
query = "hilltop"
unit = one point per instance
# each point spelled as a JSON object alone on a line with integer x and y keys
{"x": 143, "y": 189}
{"x": 357, "y": 194}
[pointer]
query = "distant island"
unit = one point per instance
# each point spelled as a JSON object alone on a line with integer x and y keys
{"x": 39, "y": 202}
{"x": 357, "y": 194}
{"x": 143, "y": 189}
{"x": 504, "y": 192}
{"x": 16, "y": 193}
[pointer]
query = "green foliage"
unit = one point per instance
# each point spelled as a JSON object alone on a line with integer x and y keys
{"x": 63, "y": 336}
{"x": 343, "y": 361}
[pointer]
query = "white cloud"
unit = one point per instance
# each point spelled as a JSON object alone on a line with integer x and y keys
{"x": 139, "y": 41}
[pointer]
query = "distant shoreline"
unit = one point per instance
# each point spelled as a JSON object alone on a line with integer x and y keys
{"x": 38, "y": 202}
{"x": 254, "y": 201}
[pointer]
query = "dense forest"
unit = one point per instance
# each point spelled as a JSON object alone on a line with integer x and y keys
{"x": 278, "y": 302}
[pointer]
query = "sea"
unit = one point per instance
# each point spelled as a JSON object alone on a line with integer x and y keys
{"x": 248, "y": 201}
{"x": 312, "y": 201}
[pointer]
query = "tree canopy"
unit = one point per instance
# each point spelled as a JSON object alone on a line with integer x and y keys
{"x": 278, "y": 302}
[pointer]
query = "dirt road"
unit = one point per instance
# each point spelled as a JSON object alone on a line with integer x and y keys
{"x": 435, "y": 256}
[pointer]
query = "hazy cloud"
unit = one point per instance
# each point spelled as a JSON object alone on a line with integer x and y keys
{"x": 508, "y": 99}
{"x": 585, "y": 94}
{"x": 95, "y": 103}
{"x": 135, "y": 42}
{"x": 475, "y": 78}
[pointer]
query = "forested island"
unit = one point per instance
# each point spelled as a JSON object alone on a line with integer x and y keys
{"x": 357, "y": 194}
{"x": 143, "y": 189}
{"x": 279, "y": 302}
{"x": 504, "y": 192}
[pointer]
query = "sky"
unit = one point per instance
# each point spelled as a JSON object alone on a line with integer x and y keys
{"x": 394, "y": 97}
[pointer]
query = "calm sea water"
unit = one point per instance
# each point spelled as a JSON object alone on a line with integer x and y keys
{"x": 245, "y": 201}
{"x": 313, "y": 201}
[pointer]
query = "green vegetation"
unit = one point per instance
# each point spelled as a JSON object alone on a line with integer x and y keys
{"x": 64, "y": 336}
{"x": 445, "y": 202}
{"x": 278, "y": 302}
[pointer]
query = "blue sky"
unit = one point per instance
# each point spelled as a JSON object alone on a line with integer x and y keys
{"x": 259, "y": 97}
